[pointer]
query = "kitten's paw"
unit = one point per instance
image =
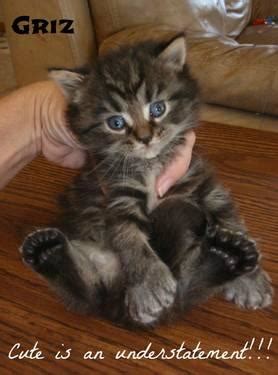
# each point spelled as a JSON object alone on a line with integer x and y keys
{"x": 238, "y": 253}
{"x": 250, "y": 291}
{"x": 146, "y": 302}
{"x": 43, "y": 250}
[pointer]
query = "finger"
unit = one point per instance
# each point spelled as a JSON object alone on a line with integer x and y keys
{"x": 178, "y": 166}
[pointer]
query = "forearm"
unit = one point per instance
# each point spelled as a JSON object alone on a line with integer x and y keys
{"x": 19, "y": 136}
{"x": 32, "y": 122}
{"x": 132, "y": 247}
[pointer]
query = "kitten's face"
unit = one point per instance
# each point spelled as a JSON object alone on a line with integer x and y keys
{"x": 134, "y": 102}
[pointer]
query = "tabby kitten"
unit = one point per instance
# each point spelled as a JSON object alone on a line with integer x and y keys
{"x": 123, "y": 252}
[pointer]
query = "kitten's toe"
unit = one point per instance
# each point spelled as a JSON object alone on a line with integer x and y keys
{"x": 250, "y": 291}
{"x": 238, "y": 253}
{"x": 43, "y": 250}
{"x": 148, "y": 301}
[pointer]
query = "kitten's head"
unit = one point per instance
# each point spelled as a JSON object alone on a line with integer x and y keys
{"x": 135, "y": 101}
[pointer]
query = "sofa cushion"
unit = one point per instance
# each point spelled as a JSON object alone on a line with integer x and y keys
{"x": 236, "y": 75}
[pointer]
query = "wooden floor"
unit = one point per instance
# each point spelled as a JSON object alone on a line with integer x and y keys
{"x": 247, "y": 161}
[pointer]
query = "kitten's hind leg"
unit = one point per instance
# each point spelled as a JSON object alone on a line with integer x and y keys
{"x": 78, "y": 271}
{"x": 201, "y": 259}
{"x": 253, "y": 288}
{"x": 250, "y": 286}
{"x": 221, "y": 257}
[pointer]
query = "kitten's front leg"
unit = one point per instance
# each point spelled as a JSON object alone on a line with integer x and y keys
{"x": 151, "y": 287}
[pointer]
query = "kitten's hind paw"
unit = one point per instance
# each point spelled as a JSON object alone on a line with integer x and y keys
{"x": 238, "y": 253}
{"x": 43, "y": 250}
{"x": 250, "y": 291}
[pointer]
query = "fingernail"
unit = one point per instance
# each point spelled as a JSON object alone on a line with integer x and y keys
{"x": 164, "y": 186}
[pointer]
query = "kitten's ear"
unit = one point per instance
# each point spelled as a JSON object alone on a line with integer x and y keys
{"x": 68, "y": 80}
{"x": 174, "y": 53}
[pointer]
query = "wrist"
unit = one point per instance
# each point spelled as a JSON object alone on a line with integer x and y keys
{"x": 17, "y": 133}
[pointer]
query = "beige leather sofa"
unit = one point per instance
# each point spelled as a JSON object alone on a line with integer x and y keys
{"x": 236, "y": 63}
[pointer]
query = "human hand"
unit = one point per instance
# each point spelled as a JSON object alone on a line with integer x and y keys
{"x": 32, "y": 121}
{"x": 54, "y": 139}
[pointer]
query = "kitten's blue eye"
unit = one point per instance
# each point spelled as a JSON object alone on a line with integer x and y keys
{"x": 157, "y": 109}
{"x": 116, "y": 122}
